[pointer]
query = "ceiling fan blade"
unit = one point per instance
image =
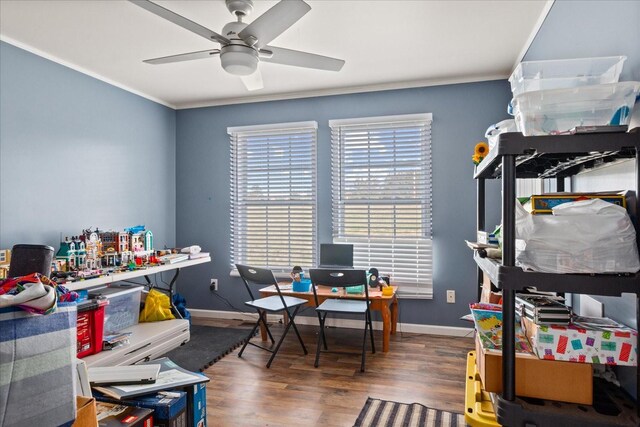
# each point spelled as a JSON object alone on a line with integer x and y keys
{"x": 183, "y": 57}
{"x": 180, "y": 20}
{"x": 253, "y": 81}
{"x": 302, "y": 59}
{"x": 274, "y": 22}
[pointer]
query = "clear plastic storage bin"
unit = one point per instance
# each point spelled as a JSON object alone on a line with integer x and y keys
{"x": 565, "y": 73}
{"x": 552, "y": 112}
{"x": 123, "y": 310}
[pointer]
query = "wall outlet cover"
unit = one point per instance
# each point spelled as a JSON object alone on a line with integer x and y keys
{"x": 451, "y": 297}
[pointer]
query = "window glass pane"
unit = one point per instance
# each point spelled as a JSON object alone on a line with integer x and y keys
{"x": 381, "y": 174}
{"x": 273, "y": 195}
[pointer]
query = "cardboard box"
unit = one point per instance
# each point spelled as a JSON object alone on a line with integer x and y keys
{"x": 168, "y": 411}
{"x": 85, "y": 412}
{"x": 196, "y": 404}
{"x": 544, "y": 203}
{"x": 488, "y": 295}
{"x": 575, "y": 343}
{"x": 542, "y": 379}
{"x": 486, "y": 238}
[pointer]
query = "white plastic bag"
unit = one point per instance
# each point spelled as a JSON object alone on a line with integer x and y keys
{"x": 588, "y": 236}
{"x": 494, "y": 131}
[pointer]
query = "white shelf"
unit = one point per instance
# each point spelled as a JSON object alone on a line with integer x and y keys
{"x": 127, "y": 275}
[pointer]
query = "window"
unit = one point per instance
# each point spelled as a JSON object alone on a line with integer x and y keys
{"x": 382, "y": 196}
{"x": 273, "y": 195}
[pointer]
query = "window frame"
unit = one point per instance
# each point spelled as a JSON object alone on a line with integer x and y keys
{"x": 422, "y": 286}
{"x": 240, "y": 203}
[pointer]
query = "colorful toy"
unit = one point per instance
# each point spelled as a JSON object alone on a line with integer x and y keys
{"x": 93, "y": 249}
{"x": 5, "y": 259}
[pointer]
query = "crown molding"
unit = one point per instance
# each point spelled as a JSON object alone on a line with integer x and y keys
{"x": 534, "y": 32}
{"x": 342, "y": 91}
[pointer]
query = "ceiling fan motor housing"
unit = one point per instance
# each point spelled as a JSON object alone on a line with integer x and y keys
{"x": 238, "y": 59}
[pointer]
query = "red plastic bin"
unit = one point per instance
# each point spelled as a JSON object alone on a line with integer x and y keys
{"x": 90, "y": 327}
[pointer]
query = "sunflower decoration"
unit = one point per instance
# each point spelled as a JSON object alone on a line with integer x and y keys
{"x": 480, "y": 152}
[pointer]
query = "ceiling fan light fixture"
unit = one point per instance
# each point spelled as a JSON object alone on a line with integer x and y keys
{"x": 239, "y": 60}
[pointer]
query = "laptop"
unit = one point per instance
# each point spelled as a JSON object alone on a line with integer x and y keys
{"x": 133, "y": 374}
{"x": 334, "y": 255}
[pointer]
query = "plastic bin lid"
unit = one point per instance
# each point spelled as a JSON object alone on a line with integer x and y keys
{"x": 92, "y": 304}
{"x": 115, "y": 290}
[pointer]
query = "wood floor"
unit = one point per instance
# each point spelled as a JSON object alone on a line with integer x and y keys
{"x": 427, "y": 369}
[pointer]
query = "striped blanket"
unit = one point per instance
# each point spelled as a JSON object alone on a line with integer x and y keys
{"x": 37, "y": 364}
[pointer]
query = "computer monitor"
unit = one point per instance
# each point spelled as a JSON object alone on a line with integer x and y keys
{"x": 336, "y": 255}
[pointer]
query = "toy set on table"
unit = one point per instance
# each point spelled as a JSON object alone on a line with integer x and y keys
{"x": 94, "y": 253}
{"x": 90, "y": 251}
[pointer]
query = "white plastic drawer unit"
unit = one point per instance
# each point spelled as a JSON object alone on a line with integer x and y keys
{"x": 123, "y": 309}
{"x": 148, "y": 341}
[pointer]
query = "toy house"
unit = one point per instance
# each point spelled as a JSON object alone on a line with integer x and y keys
{"x": 142, "y": 244}
{"x": 80, "y": 254}
{"x": 109, "y": 240}
{"x": 66, "y": 256}
{"x": 5, "y": 259}
{"x": 93, "y": 249}
{"x": 124, "y": 247}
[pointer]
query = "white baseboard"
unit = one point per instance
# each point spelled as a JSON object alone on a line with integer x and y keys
{"x": 452, "y": 331}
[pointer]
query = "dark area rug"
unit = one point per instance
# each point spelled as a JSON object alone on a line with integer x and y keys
{"x": 207, "y": 345}
{"x": 377, "y": 412}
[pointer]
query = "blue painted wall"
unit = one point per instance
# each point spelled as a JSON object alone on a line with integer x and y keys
{"x": 76, "y": 152}
{"x": 583, "y": 29}
{"x": 461, "y": 114}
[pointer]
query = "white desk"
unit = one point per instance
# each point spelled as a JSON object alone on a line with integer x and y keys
{"x": 148, "y": 340}
{"x": 127, "y": 275}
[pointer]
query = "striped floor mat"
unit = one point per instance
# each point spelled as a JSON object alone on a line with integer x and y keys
{"x": 384, "y": 413}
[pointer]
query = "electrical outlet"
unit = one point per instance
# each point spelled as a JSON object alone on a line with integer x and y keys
{"x": 213, "y": 285}
{"x": 451, "y": 297}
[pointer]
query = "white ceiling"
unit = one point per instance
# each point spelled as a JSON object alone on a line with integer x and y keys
{"x": 386, "y": 44}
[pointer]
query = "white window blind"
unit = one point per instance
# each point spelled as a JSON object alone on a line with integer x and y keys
{"x": 381, "y": 175}
{"x": 273, "y": 195}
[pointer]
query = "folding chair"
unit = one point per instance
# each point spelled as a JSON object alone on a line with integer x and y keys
{"x": 338, "y": 278}
{"x": 273, "y": 304}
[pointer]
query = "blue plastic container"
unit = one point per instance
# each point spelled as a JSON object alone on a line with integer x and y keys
{"x": 303, "y": 285}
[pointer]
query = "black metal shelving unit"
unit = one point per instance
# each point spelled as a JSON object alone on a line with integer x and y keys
{"x": 559, "y": 156}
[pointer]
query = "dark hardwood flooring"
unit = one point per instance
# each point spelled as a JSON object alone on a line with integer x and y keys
{"x": 427, "y": 369}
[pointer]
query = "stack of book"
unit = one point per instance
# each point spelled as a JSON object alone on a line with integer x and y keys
{"x": 543, "y": 309}
{"x": 173, "y": 258}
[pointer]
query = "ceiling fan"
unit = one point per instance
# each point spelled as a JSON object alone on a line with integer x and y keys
{"x": 242, "y": 45}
